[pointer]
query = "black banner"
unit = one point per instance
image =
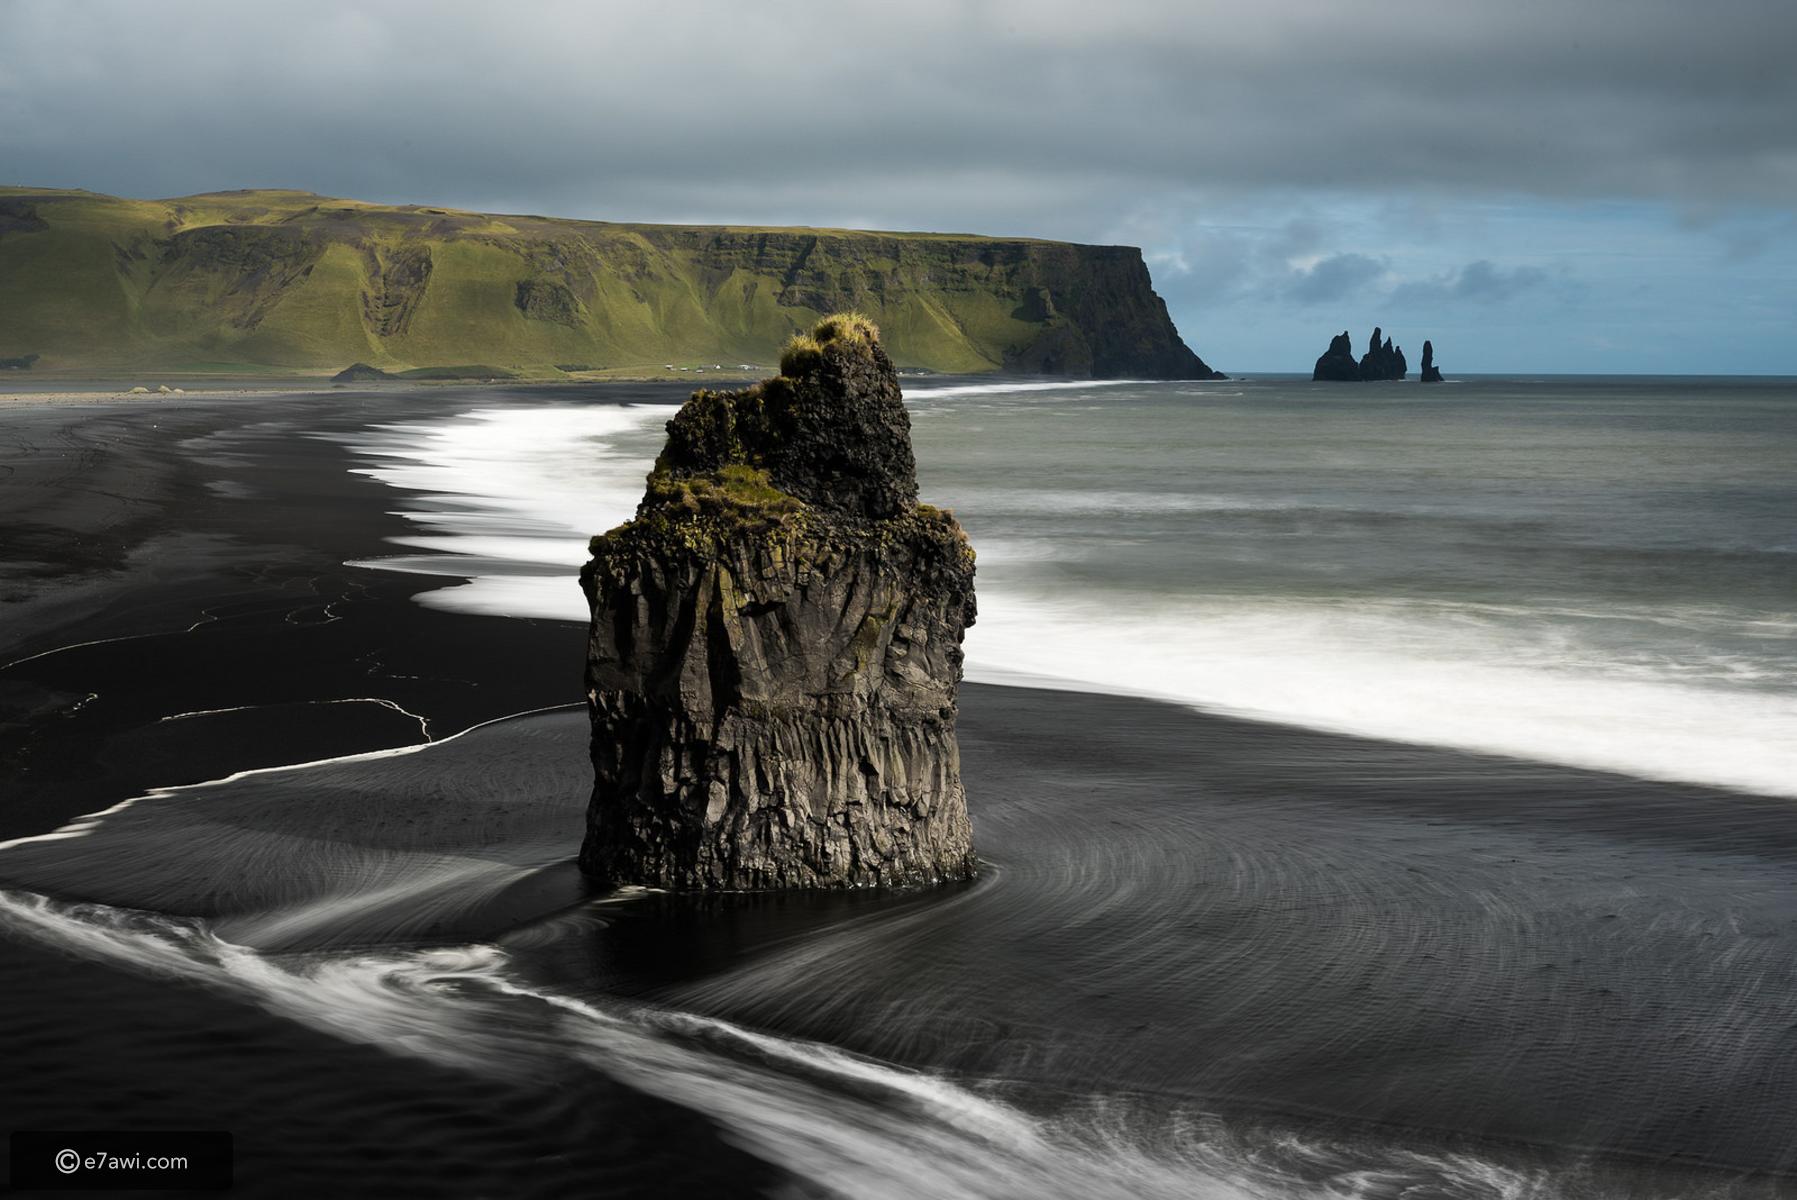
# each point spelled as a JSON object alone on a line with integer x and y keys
{"x": 81, "y": 1160}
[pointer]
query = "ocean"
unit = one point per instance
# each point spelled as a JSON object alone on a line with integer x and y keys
{"x": 1382, "y": 792}
{"x": 1590, "y": 571}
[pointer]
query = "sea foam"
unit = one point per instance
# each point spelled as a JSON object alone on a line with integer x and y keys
{"x": 509, "y": 497}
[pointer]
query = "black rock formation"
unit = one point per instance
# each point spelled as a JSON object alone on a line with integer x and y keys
{"x": 1338, "y": 365}
{"x": 1382, "y": 361}
{"x": 775, "y": 648}
{"x": 359, "y": 373}
{"x": 1431, "y": 372}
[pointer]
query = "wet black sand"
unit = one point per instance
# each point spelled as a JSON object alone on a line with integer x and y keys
{"x": 198, "y": 546}
{"x": 1585, "y": 978}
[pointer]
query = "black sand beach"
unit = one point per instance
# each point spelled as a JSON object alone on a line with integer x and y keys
{"x": 189, "y": 553}
{"x": 186, "y": 557}
{"x": 1202, "y": 948}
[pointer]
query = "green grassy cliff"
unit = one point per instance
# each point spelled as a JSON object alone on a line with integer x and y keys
{"x": 290, "y": 281}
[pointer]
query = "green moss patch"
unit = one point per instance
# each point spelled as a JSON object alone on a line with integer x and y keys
{"x": 735, "y": 497}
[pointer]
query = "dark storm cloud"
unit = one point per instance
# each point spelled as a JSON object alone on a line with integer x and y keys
{"x": 1002, "y": 115}
{"x": 1480, "y": 282}
{"x": 1334, "y": 278}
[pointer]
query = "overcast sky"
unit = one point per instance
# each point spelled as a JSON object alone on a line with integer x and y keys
{"x": 1574, "y": 185}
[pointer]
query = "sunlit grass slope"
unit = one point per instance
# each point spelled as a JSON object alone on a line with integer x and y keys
{"x": 284, "y": 280}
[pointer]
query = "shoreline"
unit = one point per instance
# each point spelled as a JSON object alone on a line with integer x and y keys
{"x": 83, "y": 387}
{"x": 290, "y": 390}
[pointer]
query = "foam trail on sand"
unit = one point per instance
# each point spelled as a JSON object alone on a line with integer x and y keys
{"x": 851, "y": 1125}
{"x": 512, "y": 497}
{"x": 1438, "y": 674}
{"x": 342, "y": 852}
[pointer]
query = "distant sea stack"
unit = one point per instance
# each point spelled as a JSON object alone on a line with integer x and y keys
{"x": 775, "y": 650}
{"x": 1382, "y": 361}
{"x": 308, "y": 283}
{"x": 1431, "y": 372}
{"x": 1338, "y": 364}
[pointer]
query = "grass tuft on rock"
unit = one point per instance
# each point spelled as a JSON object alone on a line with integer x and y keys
{"x": 803, "y": 352}
{"x": 801, "y": 355}
{"x": 849, "y": 327}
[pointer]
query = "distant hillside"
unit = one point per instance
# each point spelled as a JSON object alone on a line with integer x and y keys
{"x": 290, "y": 280}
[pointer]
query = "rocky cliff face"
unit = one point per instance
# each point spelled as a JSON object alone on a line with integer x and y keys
{"x": 775, "y": 649}
{"x": 295, "y": 280}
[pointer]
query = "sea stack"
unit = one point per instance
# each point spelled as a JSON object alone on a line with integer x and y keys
{"x": 1431, "y": 372}
{"x": 1338, "y": 364}
{"x": 775, "y": 649}
{"x": 1382, "y": 362}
